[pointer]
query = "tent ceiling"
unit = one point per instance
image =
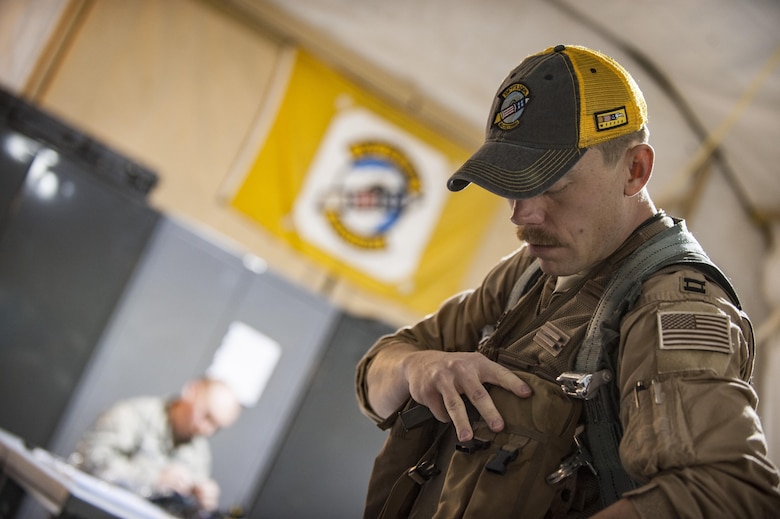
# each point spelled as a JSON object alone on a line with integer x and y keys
{"x": 720, "y": 56}
{"x": 709, "y": 69}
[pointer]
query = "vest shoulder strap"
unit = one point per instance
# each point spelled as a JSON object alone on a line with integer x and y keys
{"x": 673, "y": 246}
{"x": 521, "y": 286}
{"x": 603, "y": 430}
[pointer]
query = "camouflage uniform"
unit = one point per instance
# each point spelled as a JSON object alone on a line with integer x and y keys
{"x": 132, "y": 441}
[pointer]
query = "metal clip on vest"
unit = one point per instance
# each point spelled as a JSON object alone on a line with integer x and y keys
{"x": 581, "y": 457}
{"x": 583, "y": 385}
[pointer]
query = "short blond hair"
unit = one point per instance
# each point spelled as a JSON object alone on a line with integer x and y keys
{"x": 613, "y": 149}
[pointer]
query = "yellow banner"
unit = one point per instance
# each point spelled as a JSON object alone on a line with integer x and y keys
{"x": 360, "y": 186}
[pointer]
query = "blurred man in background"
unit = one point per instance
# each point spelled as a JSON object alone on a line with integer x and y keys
{"x": 158, "y": 447}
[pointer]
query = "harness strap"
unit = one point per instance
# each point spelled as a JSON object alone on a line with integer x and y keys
{"x": 405, "y": 489}
{"x": 528, "y": 276}
{"x": 521, "y": 286}
{"x": 603, "y": 431}
{"x": 674, "y": 245}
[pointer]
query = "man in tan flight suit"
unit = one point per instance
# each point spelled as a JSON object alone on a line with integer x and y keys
{"x": 567, "y": 146}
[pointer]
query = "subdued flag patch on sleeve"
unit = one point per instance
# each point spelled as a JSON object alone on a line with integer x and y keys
{"x": 694, "y": 331}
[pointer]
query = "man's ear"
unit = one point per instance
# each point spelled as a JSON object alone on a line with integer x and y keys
{"x": 640, "y": 160}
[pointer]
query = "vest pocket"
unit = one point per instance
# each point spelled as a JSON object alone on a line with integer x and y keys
{"x": 504, "y": 474}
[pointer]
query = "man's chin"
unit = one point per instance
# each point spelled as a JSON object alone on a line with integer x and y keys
{"x": 544, "y": 252}
{"x": 553, "y": 266}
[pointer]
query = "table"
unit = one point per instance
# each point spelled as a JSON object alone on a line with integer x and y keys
{"x": 65, "y": 491}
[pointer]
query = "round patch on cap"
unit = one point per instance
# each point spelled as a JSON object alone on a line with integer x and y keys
{"x": 515, "y": 98}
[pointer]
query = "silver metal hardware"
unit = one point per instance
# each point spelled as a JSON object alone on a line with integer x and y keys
{"x": 583, "y": 385}
{"x": 579, "y": 458}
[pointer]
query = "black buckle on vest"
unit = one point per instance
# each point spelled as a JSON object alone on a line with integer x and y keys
{"x": 423, "y": 471}
{"x": 415, "y": 416}
{"x": 502, "y": 458}
{"x": 472, "y": 445}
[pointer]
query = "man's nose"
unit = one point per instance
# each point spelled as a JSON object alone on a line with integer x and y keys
{"x": 526, "y": 212}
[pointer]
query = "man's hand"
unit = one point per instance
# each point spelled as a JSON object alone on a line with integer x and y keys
{"x": 440, "y": 380}
{"x": 174, "y": 478}
{"x": 207, "y": 494}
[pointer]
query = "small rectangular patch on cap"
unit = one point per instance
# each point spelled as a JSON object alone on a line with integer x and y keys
{"x": 611, "y": 118}
{"x": 694, "y": 331}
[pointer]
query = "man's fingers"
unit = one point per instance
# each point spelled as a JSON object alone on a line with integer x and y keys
{"x": 442, "y": 381}
{"x": 511, "y": 382}
{"x": 456, "y": 409}
{"x": 486, "y": 408}
{"x": 480, "y": 397}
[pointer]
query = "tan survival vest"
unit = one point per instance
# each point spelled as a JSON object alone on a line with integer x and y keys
{"x": 571, "y": 422}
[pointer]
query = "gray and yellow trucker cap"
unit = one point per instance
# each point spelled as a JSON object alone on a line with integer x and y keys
{"x": 547, "y": 113}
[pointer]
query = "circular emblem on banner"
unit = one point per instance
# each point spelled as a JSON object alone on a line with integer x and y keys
{"x": 371, "y": 195}
{"x": 513, "y": 100}
{"x": 365, "y": 201}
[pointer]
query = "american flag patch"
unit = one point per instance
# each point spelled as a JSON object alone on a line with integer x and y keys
{"x": 694, "y": 331}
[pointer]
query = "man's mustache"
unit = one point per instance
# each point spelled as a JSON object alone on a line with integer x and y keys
{"x": 536, "y": 236}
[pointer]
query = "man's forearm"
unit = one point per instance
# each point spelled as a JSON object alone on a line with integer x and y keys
{"x": 385, "y": 381}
